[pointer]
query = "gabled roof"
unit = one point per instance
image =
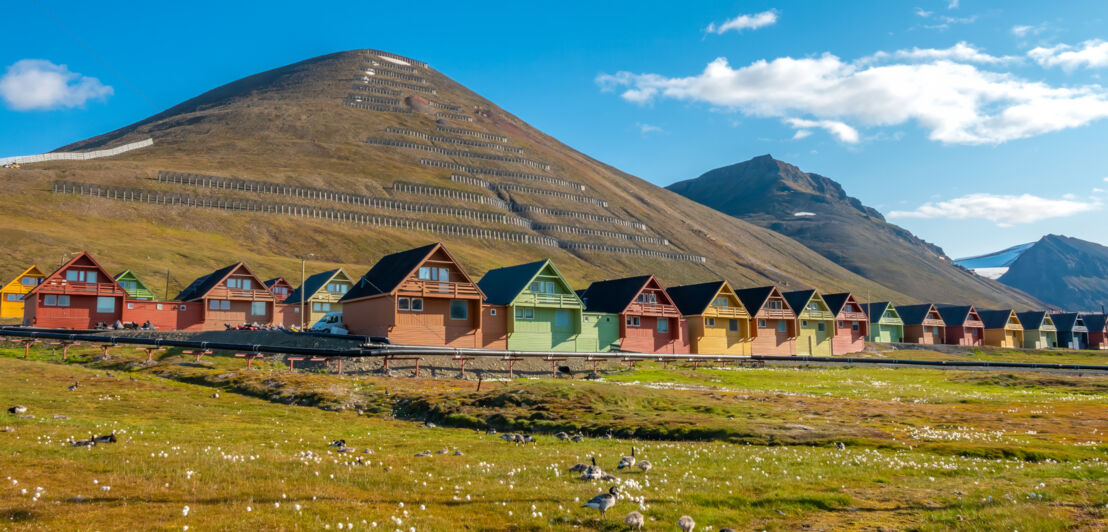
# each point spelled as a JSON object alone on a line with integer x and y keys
{"x": 877, "y": 310}
{"x": 614, "y": 295}
{"x": 995, "y": 319}
{"x": 200, "y": 287}
{"x": 955, "y": 315}
{"x": 390, "y": 272}
{"x": 694, "y": 299}
{"x": 1095, "y": 322}
{"x": 836, "y": 302}
{"x": 1032, "y": 319}
{"x": 502, "y": 285}
{"x": 314, "y": 284}
{"x": 755, "y": 298}
{"x": 275, "y": 280}
{"x": 1069, "y": 322}
{"x": 915, "y": 314}
{"x": 131, "y": 275}
{"x": 33, "y": 271}
{"x": 798, "y": 299}
{"x": 82, "y": 255}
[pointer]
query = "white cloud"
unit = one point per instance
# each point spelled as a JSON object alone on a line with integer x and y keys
{"x": 744, "y": 22}
{"x": 1003, "y": 210}
{"x": 962, "y": 52}
{"x": 802, "y": 134}
{"x": 953, "y": 4}
{"x": 1089, "y": 54}
{"x": 37, "y": 84}
{"x": 838, "y": 129}
{"x": 920, "y": 12}
{"x": 1028, "y": 30}
{"x": 957, "y": 103}
{"x": 648, "y": 128}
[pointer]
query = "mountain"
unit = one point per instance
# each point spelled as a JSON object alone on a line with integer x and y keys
{"x": 817, "y": 212}
{"x": 993, "y": 265}
{"x": 354, "y": 155}
{"x": 1063, "y": 271}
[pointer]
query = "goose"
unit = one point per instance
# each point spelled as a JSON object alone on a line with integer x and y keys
{"x": 603, "y": 501}
{"x": 577, "y": 438}
{"x": 608, "y": 477}
{"x": 527, "y": 438}
{"x": 74, "y": 386}
{"x": 686, "y": 523}
{"x": 634, "y": 520}
{"x": 423, "y": 454}
{"x": 509, "y": 437}
{"x": 17, "y": 409}
{"x": 562, "y": 436}
{"x": 644, "y": 465}
{"x": 338, "y": 443}
{"x": 592, "y": 472}
{"x": 83, "y": 443}
{"x": 107, "y": 438}
{"x": 578, "y": 468}
{"x": 627, "y": 461}
{"x": 444, "y": 450}
{"x": 840, "y": 446}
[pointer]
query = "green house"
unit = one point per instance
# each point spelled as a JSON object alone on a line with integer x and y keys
{"x": 815, "y": 322}
{"x": 542, "y": 312}
{"x": 885, "y": 323}
{"x": 134, "y": 287}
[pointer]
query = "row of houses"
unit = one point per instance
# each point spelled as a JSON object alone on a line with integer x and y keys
{"x": 423, "y": 296}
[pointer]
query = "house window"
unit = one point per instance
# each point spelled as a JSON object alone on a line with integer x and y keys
{"x": 63, "y": 301}
{"x": 663, "y": 325}
{"x": 129, "y": 286}
{"x": 225, "y": 304}
{"x": 855, "y": 327}
{"x": 561, "y": 318}
{"x": 804, "y": 323}
{"x": 459, "y": 309}
{"x": 417, "y": 304}
{"x": 213, "y": 304}
{"x": 240, "y": 284}
{"x": 30, "y": 281}
{"x": 821, "y": 326}
{"x": 648, "y": 298}
{"x": 721, "y": 301}
{"x": 733, "y": 325}
{"x": 183, "y": 307}
{"x": 774, "y": 305}
{"x": 258, "y": 308}
{"x": 14, "y": 297}
{"x": 403, "y": 303}
{"x": 427, "y": 273}
{"x": 633, "y": 321}
{"x": 130, "y": 306}
{"x": 321, "y": 307}
{"x": 782, "y": 326}
{"x": 543, "y": 287}
{"x": 105, "y": 305}
{"x": 586, "y": 319}
{"x": 525, "y": 313}
{"x": 492, "y": 312}
{"x": 50, "y": 300}
{"x": 711, "y": 322}
{"x": 159, "y": 306}
{"x": 842, "y": 324}
{"x": 813, "y": 306}
{"x": 762, "y": 324}
{"x": 81, "y": 276}
{"x": 338, "y": 288}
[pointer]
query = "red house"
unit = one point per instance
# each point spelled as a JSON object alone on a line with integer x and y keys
{"x": 851, "y": 323}
{"x": 79, "y": 295}
{"x": 280, "y": 288}
{"x": 775, "y": 329}
{"x": 963, "y": 325}
{"x": 229, "y": 296}
{"x": 649, "y": 320}
{"x": 1098, "y": 330}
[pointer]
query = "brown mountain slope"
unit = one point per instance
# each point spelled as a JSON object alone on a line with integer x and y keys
{"x": 305, "y": 125}
{"x": 817, "y": 212}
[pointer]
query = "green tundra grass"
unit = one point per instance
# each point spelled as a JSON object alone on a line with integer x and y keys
{"x": 751, "y": 449}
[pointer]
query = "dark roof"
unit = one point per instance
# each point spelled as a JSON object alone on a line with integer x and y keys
{"x": 835, "y": 302}
{"x": 388, "y": 273}
{"x": 613, "y": 295}
{"x": 1067, "y": 322}
{"x": 1095, "y": 322}
{"x": 954, "y": 315}
{"x": 313, "y": 284}
{"x": 995, "y": 319}
{"x": 202, "y": 285}
{"x": 693, "y": 299}
{"x": 754, "y": 298}
{"x": 1032, "y": 319}
{"x": 798, "y": 299}
{"x": 914, "y": 314}
{"x": 876, "y": 310}
{"x": 273, "y": 281}
{"x": 502, "y": 285}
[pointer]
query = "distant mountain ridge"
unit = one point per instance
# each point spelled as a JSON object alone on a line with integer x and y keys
{"x": 1067, "y": 272}
{"x": 816, "y": 211}
{"x": 993, "y": 265}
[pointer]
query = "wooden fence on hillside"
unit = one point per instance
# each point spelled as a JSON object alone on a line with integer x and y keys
{"x": 456, "y": 153}
{"x": 472, "y": 133}
{"x": 483, "y": 183}
{"x": 502, "y": 173}
{"x": 452, "y": 140}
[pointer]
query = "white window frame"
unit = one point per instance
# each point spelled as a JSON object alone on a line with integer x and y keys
{"x": 403, "y": 304}
{"x": 417, "y": 302}
{"x": 711, "y": 322}
{"x": 762, "y": 324}
{"x": 634, "y": 321}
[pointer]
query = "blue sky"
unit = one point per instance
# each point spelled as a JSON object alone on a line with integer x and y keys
{"x": 977, "y": 125}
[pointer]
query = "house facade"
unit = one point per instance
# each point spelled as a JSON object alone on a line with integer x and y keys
{"x": 229, "y": 296}
{"x": 1097, "y": 324}
{"x": 1002, "y": 328}
{"x": 322, "y": 294}
{"x": 1072, "y": 333}
{"x": 649, "y": 321}
{"x": 1038, "y": 330}
{"x": 717, "y": 320}
{"x": 541, "y": 311}
{"x": 851, "y": 323}
{"x": 923, "y": 324}
{"x": 280, "y": 288}
{"x": 885, "y": 325}
{"x": 11, "y": 295}
{"x": 134, "y": 286}
{"x": 815, "y": 323}
{"x": 963, "y": 325}
{"x": 773, "y": 322}
{"x": 79, "y": 295}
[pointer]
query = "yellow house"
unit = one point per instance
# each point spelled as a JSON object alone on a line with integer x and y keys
{"x": 322, "y": 293}
{"x": 1002, "y": 328}
{"x": 11, "y": 296}
{"x": 815, "y": 323}
{"x": 719, "y": 324}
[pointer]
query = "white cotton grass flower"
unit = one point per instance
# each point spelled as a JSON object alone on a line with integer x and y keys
{"x": 185, "y": 511}
{"x": 249, "y": 509}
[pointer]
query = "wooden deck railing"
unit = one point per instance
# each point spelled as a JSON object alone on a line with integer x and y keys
{"x": 80, "y": 288}
{"x": 776, "y": 314}
{"x": 439, "y": 289}
{"x": 548, "y": 300}
{"x": 653, "y": 309}
{"x": 730, "y": 312}
{"x": 852, "y": 316}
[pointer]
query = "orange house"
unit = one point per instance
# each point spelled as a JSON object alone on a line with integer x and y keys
{"x": 422, "y": 296}
{"x": 775, "y": 327}
{"x": 851, "y": 323}
{"x": 79, "y": 295}
{"x": 229, "y": 296}
{"x": 649, "y": 320}
{"x": 922, "y": 324}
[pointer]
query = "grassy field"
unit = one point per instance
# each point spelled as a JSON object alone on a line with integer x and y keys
{"x": 745, "y": 448}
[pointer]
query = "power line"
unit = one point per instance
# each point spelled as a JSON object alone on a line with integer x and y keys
{"x": 94, "y": 54}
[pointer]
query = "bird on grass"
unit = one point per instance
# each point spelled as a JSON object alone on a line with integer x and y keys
{"x": 686, "y": 523}
{"x": 840, "y": 446}
{"x": 108, "y": 438}
{"x": 74, "y": 386}
{"x": 592, "y": 472}
{"x": 604, "y": 501}
{"x": 338, "y": 443}
{"x": 562, "y": 436}
{"x": 634, "y": 520}
{"x": 577, "y": 438}
{"x": 644, "y": 465}
{"x": 627, "y": 461}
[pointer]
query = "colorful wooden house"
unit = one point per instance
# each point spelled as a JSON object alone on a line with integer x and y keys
{"x": 963, "y": 325}
{"x": 322, "y": 293}
{"x": 815, "y": 322}
{"x": 1002, "y": 328}
{"x": 541, "y": 311}
{"x": 280, "y": 288}
{"x": 1072, "y": 333}
{"x": 1038, "y": 330}
{"x": 885, "y": 325}
{"x": 851, "y": 323}
{"x": 774, "y": 330}
{"x": 599, "y": 329}
{"x": 134, "y": 286}
{"x": 1097, "y": 324}
{"x": 79, "y": 295}
{"x": 718, "y": 322}
{"x": 11, "y": 296}
{"x": 649, "y": 321}
{"x": 923, "y": 324}
{"x": 422, "y": 296}
{"x": 230, "y": 296}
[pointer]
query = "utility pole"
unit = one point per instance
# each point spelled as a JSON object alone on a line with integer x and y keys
{"x": 303, "y": 261}
{"x": 166, "y": 284}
